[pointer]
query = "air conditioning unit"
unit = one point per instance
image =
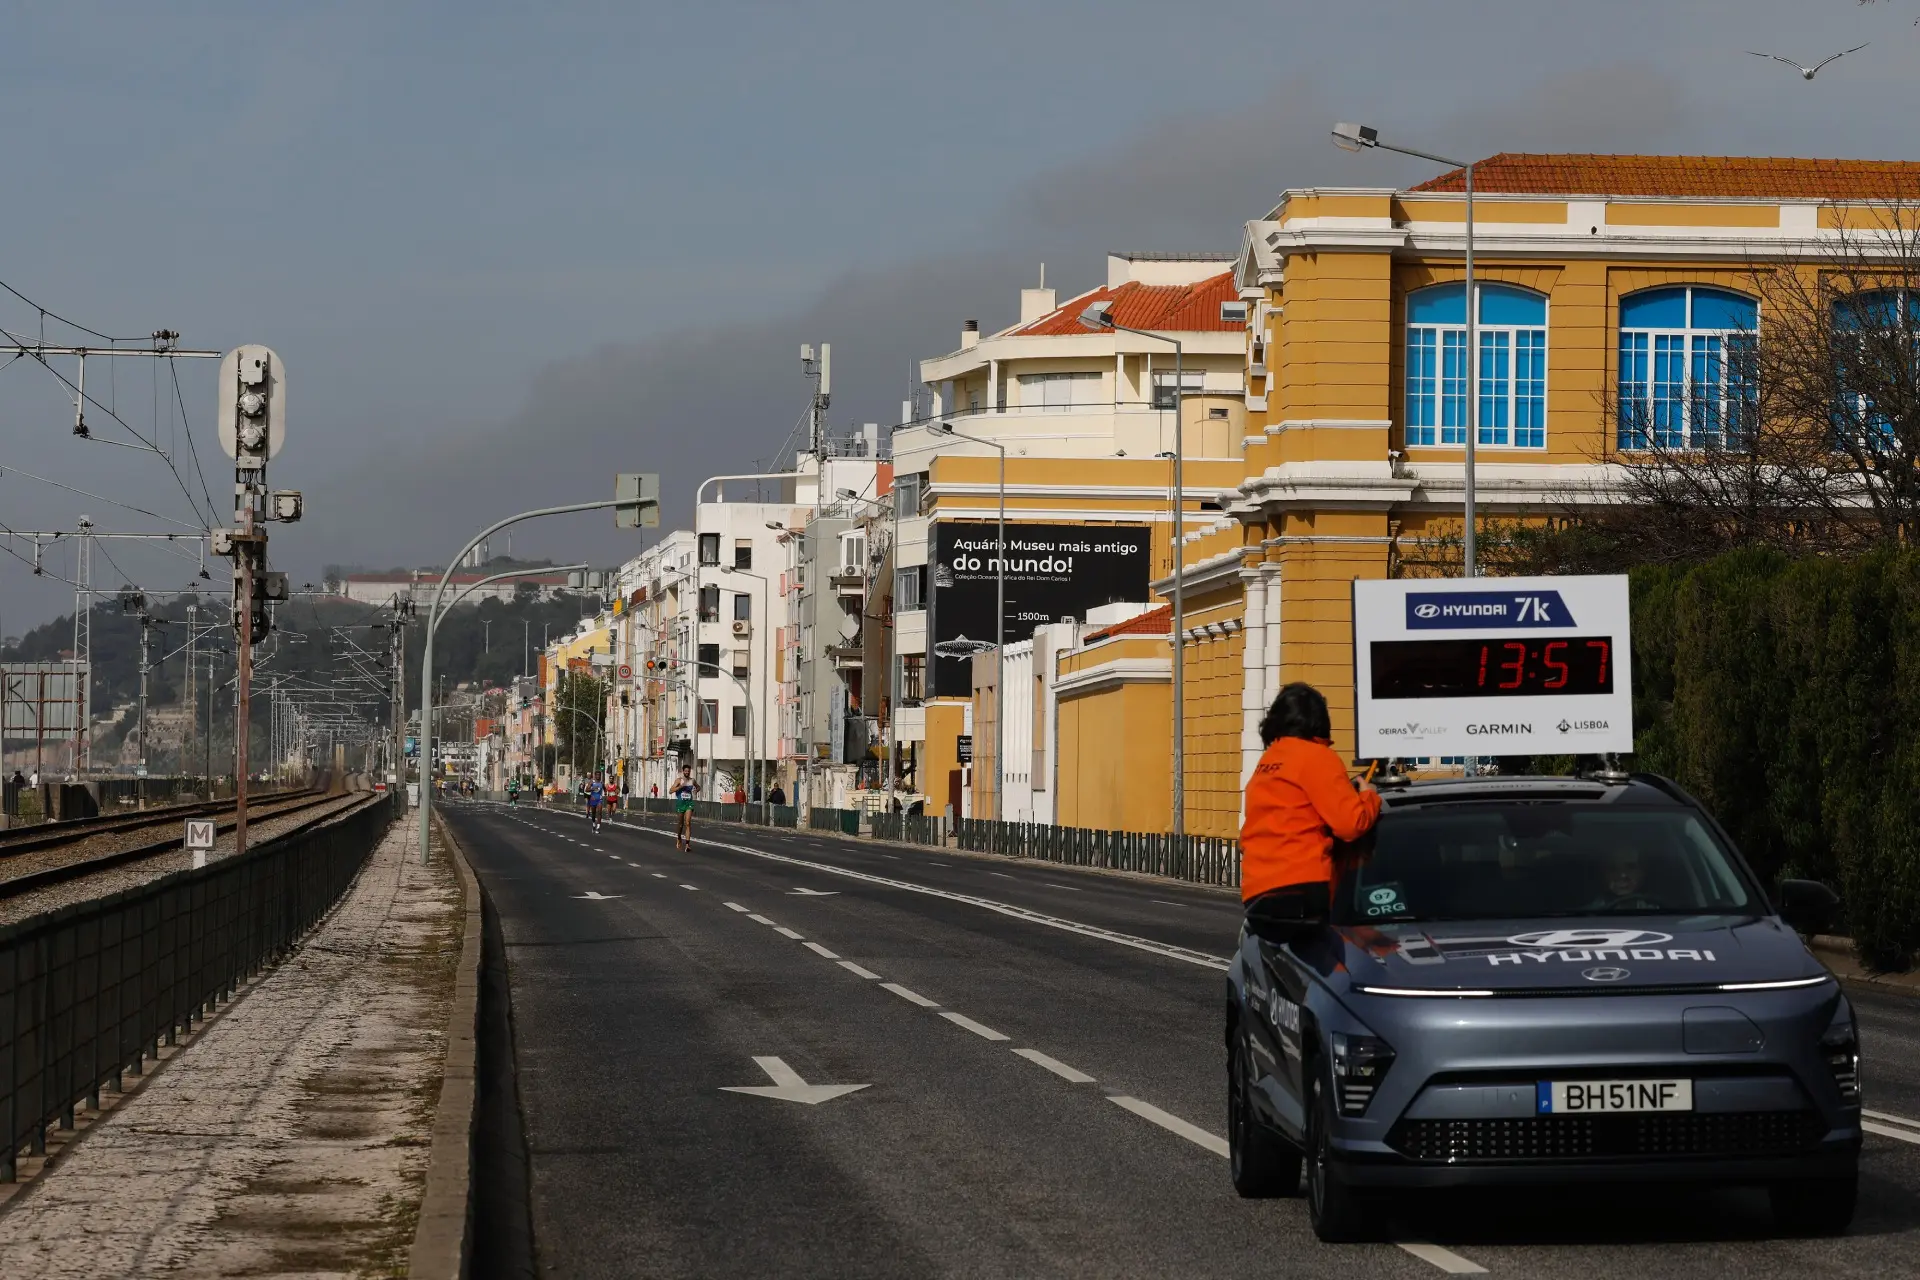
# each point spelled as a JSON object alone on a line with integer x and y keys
{"x": 741, "y": 627}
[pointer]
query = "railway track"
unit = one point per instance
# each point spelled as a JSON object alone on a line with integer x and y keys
{"x": 78, "y": 867}
{"x": 48, "y": 835}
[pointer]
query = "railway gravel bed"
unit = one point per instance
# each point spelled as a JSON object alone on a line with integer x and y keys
{"x": 127, "y": 875}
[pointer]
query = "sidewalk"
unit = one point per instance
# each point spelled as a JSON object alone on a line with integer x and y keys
{"x": 291, "y": 1136}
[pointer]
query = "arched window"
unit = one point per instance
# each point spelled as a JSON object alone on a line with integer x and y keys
{"x": 1513, "y": 366}
{"x": 1686, "y": 366}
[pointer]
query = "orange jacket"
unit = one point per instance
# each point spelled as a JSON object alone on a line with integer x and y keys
{"x": 1298, "y": 802}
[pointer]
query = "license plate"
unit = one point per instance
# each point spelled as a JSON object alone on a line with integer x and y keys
{"x": 1585, "y": 1097}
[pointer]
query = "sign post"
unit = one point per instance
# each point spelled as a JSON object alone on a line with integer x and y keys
{"x": 200, "y": 833}
{"x": 1490, "y": 667}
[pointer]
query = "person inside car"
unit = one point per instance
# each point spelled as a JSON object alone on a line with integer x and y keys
{"x": 1300, "y": 801}
{"x": 1625, "y": 885}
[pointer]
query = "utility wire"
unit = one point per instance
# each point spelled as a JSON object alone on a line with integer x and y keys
{"x": 125, "y": 506}
{"x": 193, "y": 450}
{"x": 44, "y": 313}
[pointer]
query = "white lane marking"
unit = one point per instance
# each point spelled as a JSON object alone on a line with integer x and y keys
{"x": 906, "y": 994}
{"x": 1003, "y": 875}
{"x": 962, "y": 1020}
{"x": 1890, "y": 1118}
{"x": 851, "y": 967}
{"x": 815, "y": 893}
{"x": 1162, "y": 901}
{"x": 817, "y": 949}
{"x": 733, "y": 906}
{"x": 785, "y": 932}
{"x": 1068, "y": 887}
{"x": 694, "y": 887}
{"x": 1172, "y": 1124}
{"x": 757, "y": 919}
{"x": 932, "y": 863}
{"x": 1445, "y": 1259}
{"x": 1168, "y": 950}
{"x": 1888, "y": 1131}
{"x": 658, "y": 876}
{"x": 1072, "y": 1075}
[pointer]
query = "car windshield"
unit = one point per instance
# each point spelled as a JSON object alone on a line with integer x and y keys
{"x": 1517, "y": 860}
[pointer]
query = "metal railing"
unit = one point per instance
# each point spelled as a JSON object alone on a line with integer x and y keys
{"x": 90, "y": 991}
{"x": 1200, "y": 859}
{"x": 910, "y": 828}
{"x": 845, "y": 821}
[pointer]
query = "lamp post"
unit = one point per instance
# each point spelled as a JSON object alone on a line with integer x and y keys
{"x": 999, "y": 620}
{"x": 1099, "y": 316}
{"x": 1360, "y": 137}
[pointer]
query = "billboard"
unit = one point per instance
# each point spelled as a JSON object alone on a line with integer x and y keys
{"x": 1492, "y": 666}
{"x": 1054, "y": 573}
{"x": 41, "y": 699}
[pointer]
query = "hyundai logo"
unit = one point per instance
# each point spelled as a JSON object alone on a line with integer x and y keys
{"x": 1426, "y": 611}
{"x": 1605, "y": 973}
{"x": 1559, "y": 938}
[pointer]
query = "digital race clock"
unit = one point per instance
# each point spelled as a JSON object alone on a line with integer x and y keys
{"x": 1492, "y": 666}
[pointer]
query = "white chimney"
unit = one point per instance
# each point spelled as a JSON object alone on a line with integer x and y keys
{"x": 969, "y": 335}
{"x": 1035, "y": 303}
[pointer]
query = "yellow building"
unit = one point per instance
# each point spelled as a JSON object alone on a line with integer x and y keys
{"x": 1603, "y": 281}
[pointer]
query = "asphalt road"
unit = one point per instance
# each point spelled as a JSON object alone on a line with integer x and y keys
{"x": 1042, "y": 1081}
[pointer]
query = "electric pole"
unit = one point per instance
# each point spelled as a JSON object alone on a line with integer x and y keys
{"x": 251, "y": 406}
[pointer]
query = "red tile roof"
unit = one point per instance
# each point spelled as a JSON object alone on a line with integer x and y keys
{"x": 1753, "y": 177}
{"x": 1154, "y": 622}
{"x": 1163, "y": 308}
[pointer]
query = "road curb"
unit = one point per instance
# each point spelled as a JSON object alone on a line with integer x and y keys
{"x": 445, "y": 1227}
{"x": 1838, "y": 955}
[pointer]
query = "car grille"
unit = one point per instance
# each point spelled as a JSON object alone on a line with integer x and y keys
{"x": 1653, "y": 1135}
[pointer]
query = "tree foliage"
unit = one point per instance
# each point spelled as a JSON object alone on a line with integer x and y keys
{"x": 1786, "y": 695}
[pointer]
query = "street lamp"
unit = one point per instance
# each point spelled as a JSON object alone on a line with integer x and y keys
{"x": 999, "y": 620}
{"x": 1360, "y": 137}
{"x": 1099, "y": 316}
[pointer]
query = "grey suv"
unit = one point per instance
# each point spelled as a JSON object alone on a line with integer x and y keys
{"x": 1536, "y": 980}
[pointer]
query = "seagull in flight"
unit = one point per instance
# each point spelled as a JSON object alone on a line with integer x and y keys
{"x": 1808, "y": 73}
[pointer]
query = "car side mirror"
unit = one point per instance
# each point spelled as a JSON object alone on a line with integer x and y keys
{"x": 1808, "y": 906}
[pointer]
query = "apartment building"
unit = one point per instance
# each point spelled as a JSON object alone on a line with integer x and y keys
{"x": 1084, "y": 421}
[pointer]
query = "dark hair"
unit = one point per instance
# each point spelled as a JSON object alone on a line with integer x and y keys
{"x": 1299, "y": 712}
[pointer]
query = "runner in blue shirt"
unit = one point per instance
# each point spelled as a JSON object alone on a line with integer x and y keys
{"x": 596, "y": 795}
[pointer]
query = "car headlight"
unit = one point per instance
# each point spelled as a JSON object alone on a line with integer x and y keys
{"x": 1359, "y": 1065}
{"x": 1840, "y": 1046}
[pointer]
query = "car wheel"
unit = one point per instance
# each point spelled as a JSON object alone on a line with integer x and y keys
{"x": 1335, "y": 1209}
{"x": 1814, "y": 1206}
{"x": 1262, "y": 1163}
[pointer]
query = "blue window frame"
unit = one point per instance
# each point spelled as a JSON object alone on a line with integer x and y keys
{"x": 1686, "y": 367}
{"x": 1885, "y": 329}
{"x": 1512, "y": 392}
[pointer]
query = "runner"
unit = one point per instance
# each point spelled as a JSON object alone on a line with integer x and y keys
{"x": 596, "y": 796}
{"x": 683, "y": 794}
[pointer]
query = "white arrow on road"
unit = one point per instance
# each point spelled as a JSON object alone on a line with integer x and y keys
{"x": 817, "y": 893}
{"x": 789, "y": 1087}
{"x": 594, "y": 895}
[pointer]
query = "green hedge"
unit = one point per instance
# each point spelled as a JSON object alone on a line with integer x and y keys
{"x": 1786, "y": 695}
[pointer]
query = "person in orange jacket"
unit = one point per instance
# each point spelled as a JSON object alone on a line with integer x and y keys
{"x": 1299, "y": 801}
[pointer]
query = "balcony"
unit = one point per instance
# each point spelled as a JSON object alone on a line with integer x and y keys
{"x": 846, "y": 657}
{"x": 850, "y": 587}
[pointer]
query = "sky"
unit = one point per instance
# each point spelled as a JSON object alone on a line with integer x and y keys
{"x": 506, "y": 251}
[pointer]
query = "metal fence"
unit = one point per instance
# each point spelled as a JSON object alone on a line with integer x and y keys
{"x": 1200, "y": 859}
{"x": 92, "y": 990}
{"x": 845, "y": 821}
{"x": 910, "y": 828}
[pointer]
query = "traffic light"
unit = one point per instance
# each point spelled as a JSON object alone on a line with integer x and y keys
{"x": 251, "y": 408}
